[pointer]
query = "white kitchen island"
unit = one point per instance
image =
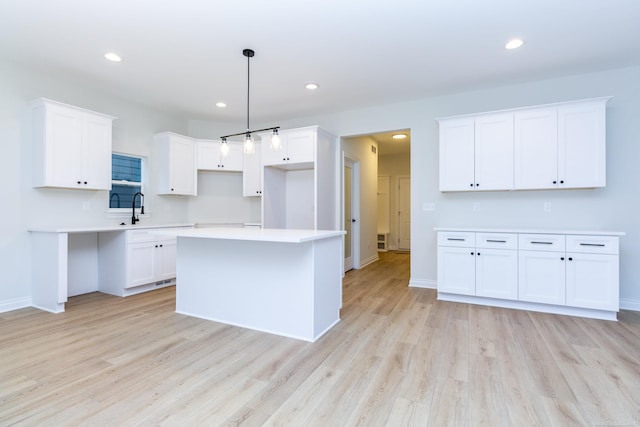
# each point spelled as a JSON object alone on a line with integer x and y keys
{"x": 285, "y": 282}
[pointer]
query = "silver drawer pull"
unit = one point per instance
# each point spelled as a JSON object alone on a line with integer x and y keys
{"x": 592, "y": 244}
{"x": 457, "y": 240}
{"x": 496, "y": 241}
{"x": 542, "y": 243}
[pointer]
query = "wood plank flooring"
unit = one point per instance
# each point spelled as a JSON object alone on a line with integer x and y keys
{"x": 398, "y": 357}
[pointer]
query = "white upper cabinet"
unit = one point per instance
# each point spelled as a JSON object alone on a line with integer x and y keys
{"x": 552, "y": 146}
{"x": 536, "y": 149}
{"x": 72, "y": 146}
{"x": 210, "y": 156}
{"x": 298, "y": 146}
{"x": 252, "y": 173}
{"x": 457, "y": 155}
{"x": 175, "y": 157}
{"x": 581, "y": 145}
{"x": 494, "y": 152}
{"x": 476, "y": 153}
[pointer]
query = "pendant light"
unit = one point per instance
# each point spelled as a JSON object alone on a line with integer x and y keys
{"x": 249, "y": 145}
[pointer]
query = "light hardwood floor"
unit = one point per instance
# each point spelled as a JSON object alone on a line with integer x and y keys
{"x": 398, "y": 357}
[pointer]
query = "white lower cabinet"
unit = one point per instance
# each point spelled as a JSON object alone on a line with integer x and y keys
{"x": 151, "y": 262}
{"x": 135, "y": 261}
{"x": 559, "y": 273}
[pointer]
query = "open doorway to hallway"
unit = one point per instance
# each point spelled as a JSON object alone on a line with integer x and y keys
{"x": 384, "y": 202}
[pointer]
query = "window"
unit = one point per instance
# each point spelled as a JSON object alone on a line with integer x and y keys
{"x": 126, "y": 180}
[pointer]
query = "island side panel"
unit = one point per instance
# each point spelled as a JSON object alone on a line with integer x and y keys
{"x": 266, "y": 286}
{"x": 328, "y": 284}
{"x": 49, "y": 280}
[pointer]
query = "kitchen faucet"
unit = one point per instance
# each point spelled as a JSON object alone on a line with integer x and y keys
{"x": 133, "y": 208}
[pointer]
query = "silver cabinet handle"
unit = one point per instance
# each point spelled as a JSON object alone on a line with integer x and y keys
{"x": 592, "y": 244}
{"x": 457, "y": 240}
{"x": 496, "y": 241}
{"x": 542, "y": 243}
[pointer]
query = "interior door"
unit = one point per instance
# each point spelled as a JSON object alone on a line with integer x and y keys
{"x": 404, "y": 213}
{"x": 348, "y": 215}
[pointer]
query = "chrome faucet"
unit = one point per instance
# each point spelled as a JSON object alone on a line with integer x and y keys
{"x": 134, "y": 219}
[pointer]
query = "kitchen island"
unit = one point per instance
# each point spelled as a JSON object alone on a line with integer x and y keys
{"x": 285, "y": 282}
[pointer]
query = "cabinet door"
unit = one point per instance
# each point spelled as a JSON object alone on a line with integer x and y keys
{"x": 457, "y": 154}
{"x": 592, "y": 281}
{"x": 234, "y": 160}
{"x": 166, "y": 259}
{"x": 494, "y": 152}
{"x": 96, "y": 152}
{"x": 208, "y": 156}
{"x": 63, "y": 147}
{"x": 300, "y": 146}
{"x": 140, "y": 264}
{"x": 582, "y": 145}
{"x": 536, "y": 149}
{"x": 541, "y": 277}
{"x": 456, "y": 270}
{"x": 182, "y": 166}
{"x": 252, "y": 173}
{"x": 272, "y": 156}
{"x": 497, "y": 273}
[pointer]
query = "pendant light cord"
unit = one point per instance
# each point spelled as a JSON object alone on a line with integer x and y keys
{"x": 248, "y": 86}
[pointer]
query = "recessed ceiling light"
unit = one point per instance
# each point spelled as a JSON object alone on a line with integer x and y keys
{"x": 514, "y": 44}
{"x": 399, "y": 136}
{"x": 220, "y": 104}
{"x": 112, "y": 57}
{"x": 312, "y": 86}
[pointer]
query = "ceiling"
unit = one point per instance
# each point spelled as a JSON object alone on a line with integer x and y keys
{"x": 184, "y": 56}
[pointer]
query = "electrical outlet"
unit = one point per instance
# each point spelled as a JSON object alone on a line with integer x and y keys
{"x": 428, "y": 206}
{"x": 86, "y": 206}
{"x": 476, "y": 206}
{"x": 547, "y": 206}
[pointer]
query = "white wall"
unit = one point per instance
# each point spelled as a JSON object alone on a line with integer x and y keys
{"x": 612, "y": 208}
{"x": 394, "y": 166}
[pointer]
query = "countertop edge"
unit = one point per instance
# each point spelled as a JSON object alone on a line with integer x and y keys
{"x": 533, "y": 231}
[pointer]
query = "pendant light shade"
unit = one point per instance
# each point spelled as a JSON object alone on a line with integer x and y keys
{"x": 224, "y": 147}
{"x": 249, "y": 146}
{"x": 276, "y": 141}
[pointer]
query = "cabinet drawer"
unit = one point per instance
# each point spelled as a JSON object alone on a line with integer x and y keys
{"x": 593, "y": 244}
{"x": 140, "y": 236}
{"x": 497, "y": 240}
{"x": 457, "y": 238}
{"x": 541, "y": 242}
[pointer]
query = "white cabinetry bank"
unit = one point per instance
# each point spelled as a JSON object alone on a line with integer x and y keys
{"x": 563, "y": 272}
{"x": 543, "y": 147}
{"x": 72, "y": 146}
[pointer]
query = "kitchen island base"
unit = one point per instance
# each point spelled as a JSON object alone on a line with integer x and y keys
{"x": 288, "y": 288}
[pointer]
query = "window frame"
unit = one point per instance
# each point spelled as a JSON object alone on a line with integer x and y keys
{"x": 126, "y": 210}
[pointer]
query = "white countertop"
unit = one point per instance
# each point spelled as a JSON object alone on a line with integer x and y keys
{"x": 533, "y": 231}
{"x": 255, "y": 234}
{"x": 99, "y": 228}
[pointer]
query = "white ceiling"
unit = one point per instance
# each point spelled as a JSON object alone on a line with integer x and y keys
{"x": 183, "y": 56}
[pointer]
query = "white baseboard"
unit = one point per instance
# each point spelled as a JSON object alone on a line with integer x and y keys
{"x": 15, "y": 304}
{"x": 630, "y": 304}
{"x": 422, "y": 283}
{"x": 368, "y": 261}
